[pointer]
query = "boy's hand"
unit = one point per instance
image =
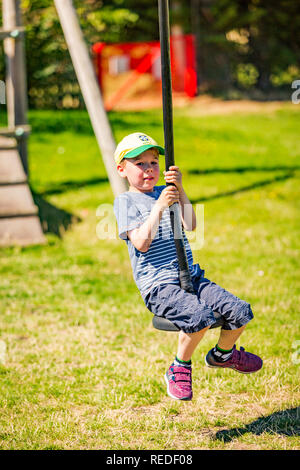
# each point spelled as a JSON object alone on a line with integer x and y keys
{"x": 168, "y": 196}
{"x": 173, "y": 175}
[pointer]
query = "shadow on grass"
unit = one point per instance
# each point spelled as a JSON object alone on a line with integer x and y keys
{"x": 244, "y": 188}
{"x": 78, "y": 121}
{"x": 285, "y": 423}
{"x": 53, "y": 219}
{"x": 243, "y": 169}
{"x": 72, "y": 185}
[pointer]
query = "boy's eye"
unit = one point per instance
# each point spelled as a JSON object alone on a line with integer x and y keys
{"x": 142, "y": 163}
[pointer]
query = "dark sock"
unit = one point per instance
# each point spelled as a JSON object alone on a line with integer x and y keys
{"x": 180, "y": 362}
{"x": 221, "y": 355}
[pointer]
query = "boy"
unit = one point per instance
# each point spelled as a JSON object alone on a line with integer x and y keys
{"x": 144, "y": 223}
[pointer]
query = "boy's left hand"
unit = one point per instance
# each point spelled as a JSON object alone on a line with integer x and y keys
{"x": 173, "y": 175}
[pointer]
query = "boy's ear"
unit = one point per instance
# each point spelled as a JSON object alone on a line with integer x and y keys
{"x": 121, "y": 170}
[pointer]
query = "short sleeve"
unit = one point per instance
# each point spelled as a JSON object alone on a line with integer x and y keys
{"x": 158, "y": 190}
{"x": 127, "y": 214}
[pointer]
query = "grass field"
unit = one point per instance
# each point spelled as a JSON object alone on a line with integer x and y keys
{"x": 81, "y": 365}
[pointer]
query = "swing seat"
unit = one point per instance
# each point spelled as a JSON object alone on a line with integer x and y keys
{"x": 161, "y": 323}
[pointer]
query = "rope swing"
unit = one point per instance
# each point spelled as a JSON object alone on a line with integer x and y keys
{"x": 185, "y": 279}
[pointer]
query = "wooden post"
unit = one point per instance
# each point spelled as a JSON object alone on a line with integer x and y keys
{"x": 16, "y": 83}
{"x": 19, "y": 221}
{"x": 90, "y": 89}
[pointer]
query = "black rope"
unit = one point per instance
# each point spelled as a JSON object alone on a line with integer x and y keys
{"x": 164, "y": 34}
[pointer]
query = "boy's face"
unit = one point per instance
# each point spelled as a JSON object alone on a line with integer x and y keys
{"x": 142, "y": 172}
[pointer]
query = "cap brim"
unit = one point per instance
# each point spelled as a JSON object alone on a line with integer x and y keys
{"x": 137, "y": 151}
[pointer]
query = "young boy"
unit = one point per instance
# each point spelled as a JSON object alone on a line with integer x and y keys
{"x": 144, "y": 223}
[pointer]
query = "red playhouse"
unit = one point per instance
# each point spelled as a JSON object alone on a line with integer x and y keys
{"x": 120, "y": 66}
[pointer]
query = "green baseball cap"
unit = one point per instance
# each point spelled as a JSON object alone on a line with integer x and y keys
{"x": 134, "y": 144}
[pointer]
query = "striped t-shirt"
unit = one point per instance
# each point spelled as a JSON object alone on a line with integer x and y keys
{"x": 159, "y": 264}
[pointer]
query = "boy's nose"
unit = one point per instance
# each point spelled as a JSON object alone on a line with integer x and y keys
{"x": 148, "y": 167}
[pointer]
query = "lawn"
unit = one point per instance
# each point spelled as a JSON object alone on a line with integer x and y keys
{"x": 81, "y": 365}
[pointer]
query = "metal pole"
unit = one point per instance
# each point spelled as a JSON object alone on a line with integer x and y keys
{"x": 164, "y": 34}
{"x": 16, "y": 84}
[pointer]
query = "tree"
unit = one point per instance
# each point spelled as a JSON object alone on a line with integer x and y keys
{"x": 241, "y": 44}
{"x": 262, "y": 35}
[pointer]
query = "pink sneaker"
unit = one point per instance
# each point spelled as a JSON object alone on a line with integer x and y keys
{"x": 179, "y": 382}
{"x": 241, "y": 361}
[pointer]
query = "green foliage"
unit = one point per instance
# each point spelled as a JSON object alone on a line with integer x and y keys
{"x": 51, "y": 77}
{"x": 285, "y": 77}
{"x": 243, "y": 45}
{"x": 247, "y": 75}
{"x": 263, "y": 34}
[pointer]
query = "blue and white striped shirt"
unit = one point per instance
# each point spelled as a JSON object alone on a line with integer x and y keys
{"x": 159, "y": 264}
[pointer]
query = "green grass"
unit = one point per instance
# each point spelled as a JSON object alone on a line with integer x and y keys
{"x": 83, "y": 367}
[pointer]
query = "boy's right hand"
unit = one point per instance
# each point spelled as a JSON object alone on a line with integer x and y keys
{"x": 169, "y": 196}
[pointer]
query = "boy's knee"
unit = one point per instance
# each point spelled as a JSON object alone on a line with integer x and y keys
{"x": 239, "y": 315}
{"x": 243, "y": 313}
